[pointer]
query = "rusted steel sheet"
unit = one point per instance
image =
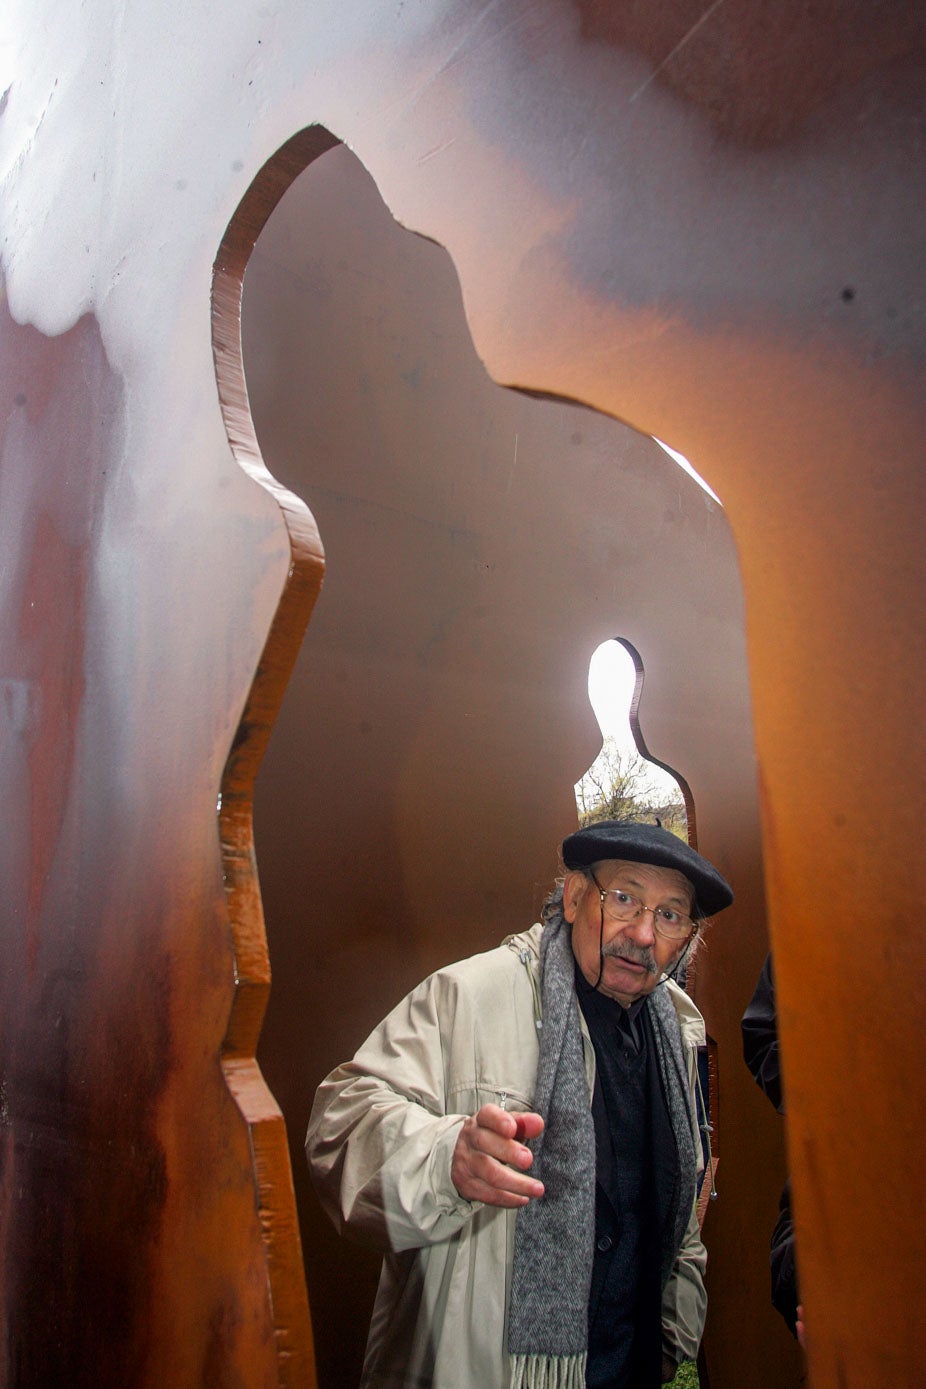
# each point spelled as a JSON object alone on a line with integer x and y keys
{"x": 481, "y": 544}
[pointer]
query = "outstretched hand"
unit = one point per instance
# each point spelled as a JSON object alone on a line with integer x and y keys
{"x": 489, "y": 1160}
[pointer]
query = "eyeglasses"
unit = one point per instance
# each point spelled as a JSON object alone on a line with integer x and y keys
{"x": 620, "y": 906}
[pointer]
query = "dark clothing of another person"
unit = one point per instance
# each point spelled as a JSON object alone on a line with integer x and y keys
{"x": 782, "y": 1262}
{"x": 760, "y": 1037}
{"x": 760, "y": 1050}
{"x": 637, "y": 1170}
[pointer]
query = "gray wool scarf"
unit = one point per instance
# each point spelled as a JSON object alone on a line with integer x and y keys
{"x": 554, "y": 1237}
{"x": 677, "y": 1091}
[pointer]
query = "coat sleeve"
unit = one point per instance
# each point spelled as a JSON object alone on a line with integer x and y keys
{"x": 684, "y": 1302}
{"x": 380, "y": 1142}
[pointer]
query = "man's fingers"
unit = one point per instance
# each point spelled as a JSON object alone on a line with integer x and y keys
{"x": 495, "y": 1119}
{"x": 520, "y": 1125}
{"x": 498, "y": 1133}
{"x": 500, "y": 1186}
{"x": 491, "y": 1196}
{"x": 487, "y": 1157}
{"x": 527, "y": 1125}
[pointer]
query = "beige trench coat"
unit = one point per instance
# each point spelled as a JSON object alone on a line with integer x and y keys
{"x": 379, "y": 1145}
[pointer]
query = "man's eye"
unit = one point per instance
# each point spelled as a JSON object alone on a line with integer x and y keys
{"x": 669, "y": 916}
{"x": 623, "y": 897}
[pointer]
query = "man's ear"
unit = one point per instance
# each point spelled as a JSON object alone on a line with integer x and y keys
{"x": 574, "y": 886}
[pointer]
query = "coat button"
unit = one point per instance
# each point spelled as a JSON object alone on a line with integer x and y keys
{"x": 604, "y": 1244}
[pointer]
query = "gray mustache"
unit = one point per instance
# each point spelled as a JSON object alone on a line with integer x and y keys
{"x": 639, "y": 954}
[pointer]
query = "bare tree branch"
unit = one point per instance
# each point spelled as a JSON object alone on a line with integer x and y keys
{"x": 619, "y": 786}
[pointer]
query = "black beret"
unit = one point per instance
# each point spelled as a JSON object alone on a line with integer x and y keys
{"x": 625, "y": 839}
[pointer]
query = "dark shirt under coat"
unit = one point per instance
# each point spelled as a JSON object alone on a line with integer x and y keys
{"x": 637, "y": 1173}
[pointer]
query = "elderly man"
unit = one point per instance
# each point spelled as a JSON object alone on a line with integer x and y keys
{"x": 521, "y": 1138}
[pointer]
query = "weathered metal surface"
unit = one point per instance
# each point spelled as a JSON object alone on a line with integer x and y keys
{"x": 705, "y": 223}
{"x": 481, "y": 544}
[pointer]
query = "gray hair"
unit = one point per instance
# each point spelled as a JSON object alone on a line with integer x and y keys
{"x": 553, "y": 905}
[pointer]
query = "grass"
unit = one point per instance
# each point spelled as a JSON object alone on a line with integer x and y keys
{"x": 686, "y": 1376}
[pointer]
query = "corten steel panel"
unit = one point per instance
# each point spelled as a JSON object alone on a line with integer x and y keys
{"x": 132, "y": 1248}
{"x": 480, "y": 545}
{"x": 708, "y": 224}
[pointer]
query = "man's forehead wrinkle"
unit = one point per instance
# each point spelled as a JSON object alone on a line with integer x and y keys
{"x": 627, "y": 874}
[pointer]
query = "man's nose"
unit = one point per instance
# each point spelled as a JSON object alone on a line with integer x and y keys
{"x": 643, "y": 926}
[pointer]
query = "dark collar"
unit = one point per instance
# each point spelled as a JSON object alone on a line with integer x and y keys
{"x": 585, "y": 991}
